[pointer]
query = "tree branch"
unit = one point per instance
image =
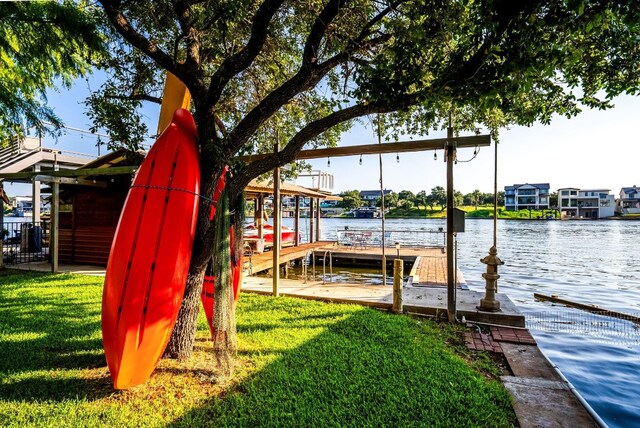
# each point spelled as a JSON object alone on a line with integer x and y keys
{"x": 122, "y": 25}
{"x": 312, "y": 130}
{"x": 243, "y": 59}
{"x": 306, "y": 77}
{"x": 318, "y": 30}
{"x": 188, "y": 32}
{"x": 507, "y": 11}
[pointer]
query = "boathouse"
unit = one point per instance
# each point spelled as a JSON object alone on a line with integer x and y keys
{"x": 90, "y": 208}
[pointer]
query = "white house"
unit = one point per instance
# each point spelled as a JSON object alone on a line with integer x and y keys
{"x": 629, "y": 202}
{"x": 533, "y": 196}
{"x": 585, "y": 203}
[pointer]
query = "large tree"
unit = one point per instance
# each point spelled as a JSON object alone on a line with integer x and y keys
{"x": 42, "y": 45}
{"x": 439, "y": 196}
{"x": 297, "y": 73}
{"x": 350, "y": 199}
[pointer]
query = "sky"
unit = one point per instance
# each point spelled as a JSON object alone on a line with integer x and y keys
{"x": 597, "y": 149}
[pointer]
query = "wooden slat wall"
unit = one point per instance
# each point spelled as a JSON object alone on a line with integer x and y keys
{"x": 86, "y": 234}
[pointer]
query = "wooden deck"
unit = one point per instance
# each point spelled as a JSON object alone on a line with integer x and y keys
{"x": 419, "y": 300}
{"x": 257, "y": 263}
{"x": 429, "y": 264}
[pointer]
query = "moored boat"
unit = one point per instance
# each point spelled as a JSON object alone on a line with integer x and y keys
{"x": 287, "y": 235}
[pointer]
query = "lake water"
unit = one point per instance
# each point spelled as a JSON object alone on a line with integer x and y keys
{"x": 592, "y": 262}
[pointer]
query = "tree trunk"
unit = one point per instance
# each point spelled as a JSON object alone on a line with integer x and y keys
{"x": 184, "y": 333}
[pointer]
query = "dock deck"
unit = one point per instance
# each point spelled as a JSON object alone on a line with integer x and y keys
{"x": 264, "y": 261}
{"x": 429, "y": 264}
{"x": 425, "y": 293}
{"x": 420, "y": 300}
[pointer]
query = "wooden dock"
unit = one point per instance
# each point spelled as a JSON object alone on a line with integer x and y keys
{"x": 429, "y": 264}
{"x": 257, "y": 263}
{"x": 418, "y": 300}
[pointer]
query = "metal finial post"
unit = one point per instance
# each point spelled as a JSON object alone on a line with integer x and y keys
{"x": 489, "y": 301}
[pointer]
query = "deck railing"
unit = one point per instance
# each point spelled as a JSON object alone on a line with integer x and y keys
{"x": 367, "y": 238}
{"x": 25, "y": 242}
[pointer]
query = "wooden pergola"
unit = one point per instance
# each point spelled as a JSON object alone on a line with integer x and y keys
{"x": 450, "y": 145}
{"x": 257, "y": 190}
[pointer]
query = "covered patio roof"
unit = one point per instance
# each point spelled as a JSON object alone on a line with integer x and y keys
{"x": 255, "y": 188}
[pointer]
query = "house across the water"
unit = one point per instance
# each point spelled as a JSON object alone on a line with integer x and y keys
{"x": 534, "y": 196}
{"x": 629, "y": 202}
{"x": 585, "y": 203}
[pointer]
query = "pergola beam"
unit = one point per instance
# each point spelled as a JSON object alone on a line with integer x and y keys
{"x": 395, "y": 147}
{"x": 68, "y": 180}
{"x": 83, "y": 172}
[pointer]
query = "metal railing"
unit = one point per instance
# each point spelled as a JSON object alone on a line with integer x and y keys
{"x": 368, "y": 238}
{"x": 324, "y": 266}
{"x": 599, "y": 327}
{"x": 25, "y": 242}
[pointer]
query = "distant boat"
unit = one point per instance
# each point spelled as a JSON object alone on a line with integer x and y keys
{"x": 287, "y": 235}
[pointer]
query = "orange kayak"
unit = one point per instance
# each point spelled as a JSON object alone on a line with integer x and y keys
{"x": 150, "y": 254}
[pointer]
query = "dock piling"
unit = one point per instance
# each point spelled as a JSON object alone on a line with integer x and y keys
{"x": 398, "y": 274}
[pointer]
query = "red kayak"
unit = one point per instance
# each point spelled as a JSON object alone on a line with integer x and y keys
{"x": 150, "y": 254}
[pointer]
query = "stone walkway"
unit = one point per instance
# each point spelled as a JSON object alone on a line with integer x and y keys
{"x": 541, "y": 398}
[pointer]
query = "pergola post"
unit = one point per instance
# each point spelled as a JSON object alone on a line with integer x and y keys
{"x": 276, "y": 227}
{"x": 311, "y": 219}
{"x": 451, "y": 285}
{"x": 55, "y": 224}
{"x": 318, "y": 215}
{"x": 55, "y": 217}
{"x": 260, "y": 219}
{"x": 296, "y": 222}
{"x": 35, "y": 198}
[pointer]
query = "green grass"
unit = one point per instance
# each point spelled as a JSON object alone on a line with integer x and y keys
{"x": 300, "y": 363}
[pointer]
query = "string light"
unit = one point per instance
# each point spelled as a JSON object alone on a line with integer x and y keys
{"x": 329, "y": 162}
{"x": 435, "y": 155}
{"x": 476, "y": 152}
{"x": 398, "y": 157}
{"x": 360, "y": 159}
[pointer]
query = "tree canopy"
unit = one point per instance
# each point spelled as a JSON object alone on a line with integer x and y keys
{"x": 42, "y": 45}
{"x": 350, "y": 199}
{"x": 298, "y": 73}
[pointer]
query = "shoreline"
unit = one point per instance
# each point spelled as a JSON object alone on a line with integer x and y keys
{"x": 490, "y": 218}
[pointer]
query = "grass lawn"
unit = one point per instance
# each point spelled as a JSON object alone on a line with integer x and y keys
{"x": 300, "y": 363}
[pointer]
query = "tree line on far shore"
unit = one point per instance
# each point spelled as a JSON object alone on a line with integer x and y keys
{"x": 406, "y": 199}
